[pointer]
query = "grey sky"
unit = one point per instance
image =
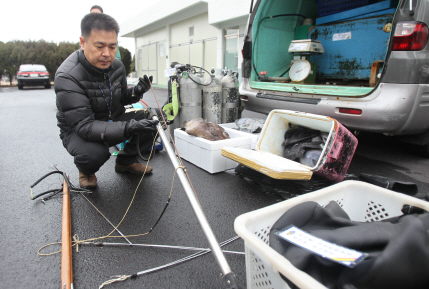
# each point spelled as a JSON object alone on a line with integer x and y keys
{"x": 58, "y": 21}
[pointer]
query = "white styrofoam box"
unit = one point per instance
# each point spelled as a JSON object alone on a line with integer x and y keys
{"x": 234, "y": 126}
{"x": 229, "y": 125}
{"x": 208, "y": 154}
{"x": 363, "y": 202}
{"x": 255, "y": 139}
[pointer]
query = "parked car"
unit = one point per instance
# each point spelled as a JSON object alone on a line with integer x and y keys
{"x": 364, "y": 63}
{"x": 33, "y": 75}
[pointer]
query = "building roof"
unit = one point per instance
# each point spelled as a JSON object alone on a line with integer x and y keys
{"x": 224, "y": 11}
{"x": 221, "y": 13}
{"x": 155, "y": 17}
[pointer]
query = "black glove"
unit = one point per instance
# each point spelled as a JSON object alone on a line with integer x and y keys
{"x": 134, "y": 126}
{"x": 143, "y": 85}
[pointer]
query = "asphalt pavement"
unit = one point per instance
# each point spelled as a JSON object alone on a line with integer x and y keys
{"x": 31, "y": 148}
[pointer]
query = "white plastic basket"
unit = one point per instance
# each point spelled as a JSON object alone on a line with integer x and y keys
{"x": 362, "y": 201}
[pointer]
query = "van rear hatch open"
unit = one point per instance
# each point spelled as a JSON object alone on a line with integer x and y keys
{"x": 355, "y": 36}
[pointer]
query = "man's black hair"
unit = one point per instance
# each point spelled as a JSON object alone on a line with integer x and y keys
{"x": 98, "y": 21}
{"x": 96, "y": 7}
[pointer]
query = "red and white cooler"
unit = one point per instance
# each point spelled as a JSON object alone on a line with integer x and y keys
{"x": 268, "y": 157}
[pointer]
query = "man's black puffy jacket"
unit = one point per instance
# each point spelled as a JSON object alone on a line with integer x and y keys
{"x": 80, "y": 102}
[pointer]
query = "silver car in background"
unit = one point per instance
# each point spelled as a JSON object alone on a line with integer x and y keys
{"x": 373, "y": 74}
{"x": 33, "y": 75}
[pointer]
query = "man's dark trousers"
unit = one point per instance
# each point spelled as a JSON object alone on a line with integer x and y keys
{"x": 90, "y": 156}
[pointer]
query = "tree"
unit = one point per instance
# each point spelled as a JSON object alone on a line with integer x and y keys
{"x": 62, "y": 51}
{"x": 10, "y": 55}
{"x": 52, "y": 55}
{"x": 2, "y": 59}
{"x": 15, "y": 53}
{"x": 126, "y": 59}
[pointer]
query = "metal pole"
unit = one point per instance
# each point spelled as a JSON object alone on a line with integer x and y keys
{"x": 102, "y": 244}
{"x": 213, "y": 243}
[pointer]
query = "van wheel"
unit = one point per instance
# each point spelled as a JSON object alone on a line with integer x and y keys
{"x": 48, "y": 85}
{"x": 20, "y": 86}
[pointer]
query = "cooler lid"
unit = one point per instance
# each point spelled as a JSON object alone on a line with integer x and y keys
{"x": 269, "y": 164}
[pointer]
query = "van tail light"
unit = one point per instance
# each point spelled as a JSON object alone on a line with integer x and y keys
{"x": 350, "y": 111}
{"x": 410, "y": 36}
{"x": 22, "y": 73}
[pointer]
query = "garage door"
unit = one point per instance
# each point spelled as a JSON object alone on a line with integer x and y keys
{"x": 148, "y": 61}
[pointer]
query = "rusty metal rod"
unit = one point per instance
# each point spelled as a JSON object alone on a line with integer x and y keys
{"x": 66, "y": 243}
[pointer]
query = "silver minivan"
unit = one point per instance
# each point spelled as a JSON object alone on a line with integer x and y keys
{"x": 362, "y": 62}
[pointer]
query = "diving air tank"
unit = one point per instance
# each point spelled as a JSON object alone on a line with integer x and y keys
{"x": 200, "y": 75}
{"x": 212, "y": 100}
{"x": 230, "y": 97}
{"x": 190, "y": 97}
{"x": 221, "y": 74}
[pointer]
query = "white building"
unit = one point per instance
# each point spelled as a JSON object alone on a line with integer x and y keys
{"x": 205, "y": 33}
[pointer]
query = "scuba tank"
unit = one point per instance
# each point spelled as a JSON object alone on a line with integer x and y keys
{"x": 193, "y": 96}
{"x": 200, "y": 75}
{"x": 230, "y": 98}
{"x": 221, "y": 74}
{"x": 190, "y": 97}
{"x": 212, "y": 100}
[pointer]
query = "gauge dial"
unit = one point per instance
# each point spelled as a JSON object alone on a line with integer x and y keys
{"x": 300, "y": 70}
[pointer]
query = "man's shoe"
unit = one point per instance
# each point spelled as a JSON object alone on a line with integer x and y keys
{"x": 87, "y": 181}
{"x": 136, "y": 168}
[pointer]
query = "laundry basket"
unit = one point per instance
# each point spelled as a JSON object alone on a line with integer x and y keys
{"x": 363, "y": 202}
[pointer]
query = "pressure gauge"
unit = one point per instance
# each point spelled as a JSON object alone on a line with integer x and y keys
{"x": 300, "y": 70}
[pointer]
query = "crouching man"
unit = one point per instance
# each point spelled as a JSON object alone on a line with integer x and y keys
{"x": 91, "y": 91}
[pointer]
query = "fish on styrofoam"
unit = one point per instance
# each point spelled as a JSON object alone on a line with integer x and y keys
{"x": 207, "y": 130}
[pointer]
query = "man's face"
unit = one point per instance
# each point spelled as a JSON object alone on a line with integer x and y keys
{"x": 95, "y": 10}
{"x": 100, "y": 48}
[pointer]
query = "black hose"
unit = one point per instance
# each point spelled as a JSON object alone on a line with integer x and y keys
{"x": 211, "y": 78}
{"x": 47, "y": 192}
{"x": 45, "y": 176}
{"x": 284, "y": 72}
{"x": 138, "y": 149}
{"x": 56, "y": 191}
{"x": 162, "y": 213}
{"x": 169, "y": 198}
{"x": 201, "y": 68}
